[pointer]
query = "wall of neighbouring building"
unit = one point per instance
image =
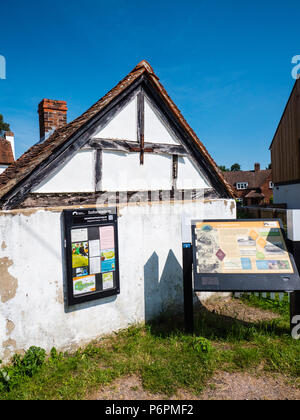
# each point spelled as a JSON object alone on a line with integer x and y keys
{"x": 285, "y": 148}
{"x": 288, "y": 194}
{"x": 33, "y": 307}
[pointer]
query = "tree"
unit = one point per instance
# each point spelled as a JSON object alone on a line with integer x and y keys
{"x": 3, "y": 126}
{"x": 223, "y": 168}
{"x": 235, "y": 167}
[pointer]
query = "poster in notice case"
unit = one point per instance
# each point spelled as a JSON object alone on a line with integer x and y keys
{"x": 242, "y": 255}
{"x": 91, "y": 248}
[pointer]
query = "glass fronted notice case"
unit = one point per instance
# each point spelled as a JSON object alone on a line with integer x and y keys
{"x": 92, "y": 257}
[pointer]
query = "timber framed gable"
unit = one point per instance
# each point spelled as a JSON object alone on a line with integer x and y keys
{"x": 19, "y": 183}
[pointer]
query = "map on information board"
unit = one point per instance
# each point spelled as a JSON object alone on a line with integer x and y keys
{"x": 241, "y": 247}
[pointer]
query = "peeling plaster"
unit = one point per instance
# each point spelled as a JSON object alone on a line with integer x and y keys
{"x": 232, "y": 207}
{"x": 60, "y": 296}
{"x": 10, "y": 326}
{"x": 9, "y": 347}
{"x": 8, "y": 283}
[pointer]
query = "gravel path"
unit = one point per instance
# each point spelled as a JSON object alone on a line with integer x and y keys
{"x": 222, "y": 386}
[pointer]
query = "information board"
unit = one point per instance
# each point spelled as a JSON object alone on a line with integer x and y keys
{"x": 240, "y": 255}
{"x": 91, "y": 250}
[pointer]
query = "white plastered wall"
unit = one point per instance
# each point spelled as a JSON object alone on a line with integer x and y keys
{"x": 123, "y": 172}
{"x": 77, "y": 175}
{"x": 155, "y": 129}
{"x": 123, "y": 125}
{"x": 32, "y": 274}
{"x": 189, "y": 175}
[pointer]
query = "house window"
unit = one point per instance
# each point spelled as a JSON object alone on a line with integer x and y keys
{"x": 271, "y": 185}
{"x": 241, "y": 185}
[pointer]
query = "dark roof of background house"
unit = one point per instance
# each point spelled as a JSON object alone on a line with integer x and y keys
{"x": 6, "y": 153}
{"x": 254, "y": 194}
{"x": 27, "y": 163}
{"x": 254, "y": 179}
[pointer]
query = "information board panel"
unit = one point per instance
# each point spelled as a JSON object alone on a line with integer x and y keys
{"x": 91, "y": 249}
{"x": 242, "y": 255}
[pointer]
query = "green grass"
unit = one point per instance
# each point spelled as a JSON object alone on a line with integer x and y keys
{"x": 165, "y": 358}
{"x": 276, "y": 305}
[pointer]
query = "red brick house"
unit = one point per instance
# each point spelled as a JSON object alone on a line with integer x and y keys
{"x": 251, "y": 188}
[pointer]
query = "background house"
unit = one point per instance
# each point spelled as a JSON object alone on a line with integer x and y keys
{"x": 285, "y": 153}
{"x": 7, "y": 150}
{"x": 252, "y": 188}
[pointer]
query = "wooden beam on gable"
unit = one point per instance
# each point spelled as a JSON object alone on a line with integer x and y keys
{"x": 109, "y": 144}
{"x": 116, "y": 197}
{"x": 128, "y": 146}
{"x": 98, "y": 170}
{"x": 174, "y": 171}
{"x": 141, "y": 124}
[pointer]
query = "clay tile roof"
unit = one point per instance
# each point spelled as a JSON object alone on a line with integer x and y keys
{"x": 6, "y": 153}
{"x": 254, "y": 179}
{"x": 26, "y": 164}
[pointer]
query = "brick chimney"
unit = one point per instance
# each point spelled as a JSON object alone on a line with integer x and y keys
{"x": 52, "y": 115}
{"x": 256, "y": 167}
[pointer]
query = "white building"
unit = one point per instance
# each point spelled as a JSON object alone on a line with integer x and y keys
{"x": 134, "y": 148}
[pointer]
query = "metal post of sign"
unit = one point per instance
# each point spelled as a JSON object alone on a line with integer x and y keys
{"x": 294, "y": 308}
{"x": 294, "y": 248}
{"x": 187, "y": 263}
{"x": 293, "y": 244}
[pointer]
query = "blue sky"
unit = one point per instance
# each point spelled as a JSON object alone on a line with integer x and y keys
{"x": 227, "y": 65}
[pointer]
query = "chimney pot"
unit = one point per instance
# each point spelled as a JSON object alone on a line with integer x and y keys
{"x": 52, "y": 115}
{"x": 257, "y": 167}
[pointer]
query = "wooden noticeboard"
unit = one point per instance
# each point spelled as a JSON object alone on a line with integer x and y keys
{"x": 91, "y": 251}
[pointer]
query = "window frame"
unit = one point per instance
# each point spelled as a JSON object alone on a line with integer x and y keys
{"x": 242, "y": 185}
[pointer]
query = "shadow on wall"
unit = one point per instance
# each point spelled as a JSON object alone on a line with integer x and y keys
{"x": 165, "y": 293}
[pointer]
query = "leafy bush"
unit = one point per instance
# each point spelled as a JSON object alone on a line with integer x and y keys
{"x": 21, "y": 368}
{"x": 201, "y": 345}
{"x": 55, "y": 356}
